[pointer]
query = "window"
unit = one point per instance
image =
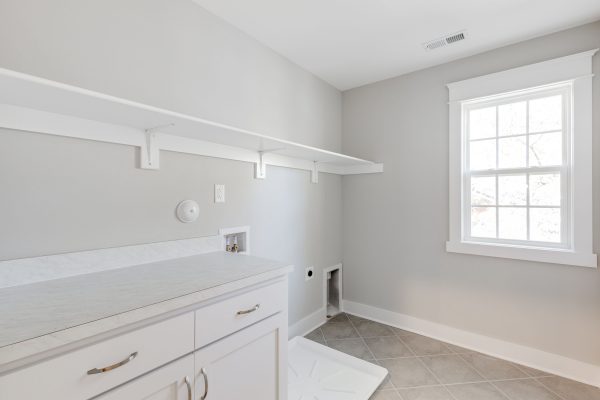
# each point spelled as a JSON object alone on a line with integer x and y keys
{"x": 520, "y": 163}
{"x": 517, "y": 166}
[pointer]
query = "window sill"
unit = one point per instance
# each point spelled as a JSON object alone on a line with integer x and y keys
{"x": 553, "y": 256}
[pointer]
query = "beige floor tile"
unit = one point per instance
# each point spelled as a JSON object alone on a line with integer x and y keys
{"x": 316, "y": 336}
{"x": 525, "y": 389}
{"x": 372, "y": 329}
{"x": 385, "y": 395}
{"x": 400, "y": 332}
{"x": 354, "y": 347}
{"x": 533, "y": 372}
{"x": 457, "y": 349}
{"x": 341, "y": 317}
{"x": 424, "y": 346}
{"x": 356, "y": 318}
{"x": 387, "y": 382}
{"x": 408, "y": 372}
{"x": 339, "y": 330}
{"x": 451, "y": 369}
{"x": 475, "y": 391}
{"x": 493, "y": 368}
{"x": 425, "y": 393}
{"x": 388, "y": 347}
{"x": 570, "y": 390}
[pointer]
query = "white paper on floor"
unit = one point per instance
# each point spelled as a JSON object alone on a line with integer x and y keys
{"x": 317, "y": 372}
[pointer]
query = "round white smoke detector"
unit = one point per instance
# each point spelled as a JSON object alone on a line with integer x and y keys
{"x": 188, "y": 211}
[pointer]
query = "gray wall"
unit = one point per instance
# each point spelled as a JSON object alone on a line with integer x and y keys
{"x": 396, "y": 223}
{"x": 61, "y": 195}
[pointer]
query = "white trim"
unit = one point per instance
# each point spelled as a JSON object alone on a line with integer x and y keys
{"x": 561, "y": 69}
{"x": 546, "y": 255}
{"x": 308, "y": 323}
{"x": 35, "y": 104}
{"x": 575, "y": 69}
{"x": 528, "y": 356}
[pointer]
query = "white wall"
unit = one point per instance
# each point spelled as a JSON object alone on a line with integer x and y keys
{"x": 61, "y": 195}
{"x": 396, "y": 223}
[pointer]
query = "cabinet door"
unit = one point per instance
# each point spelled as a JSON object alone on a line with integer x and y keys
{"x": 250, "y": 364}
{"x": 170, "y": 382}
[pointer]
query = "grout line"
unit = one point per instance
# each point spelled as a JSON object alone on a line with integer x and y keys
{"x": 502, "y": 392}
{"x": 550, "y": 390}
{"x": 461, "y": 356}
{"x": 427, "y": 368}
{"x": 485, "y": 377}
{"x": 370, "y": 352}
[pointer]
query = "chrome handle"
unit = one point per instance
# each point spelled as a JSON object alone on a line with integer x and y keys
{"x": 114, "y": 366}
{"x": 189, "y": 387}
{"x": 205, "y": 376}
{"x": 251, "y": 310}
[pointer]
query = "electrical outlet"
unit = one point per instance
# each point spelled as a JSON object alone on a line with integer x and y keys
{"x": 219, "y": 193}
{"x": 309, "y": 273}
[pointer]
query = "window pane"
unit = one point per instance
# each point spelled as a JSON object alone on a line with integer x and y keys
{"x": 544, "y": 190}
{"x": 512, "y": 119}
{"x": 512, "y": 152}
{"x": 545, "y": 149}
{"x": 482, "y": 123}
{"x": 545, "y": 114}
{"x": 512, "y": 190}
{"x": 483, "y": 222}
{"x": 545, "y": 224}
{"x": 482, "y": 155}
{"x": 512, "y": 223}
{"x": 483, "y": 190}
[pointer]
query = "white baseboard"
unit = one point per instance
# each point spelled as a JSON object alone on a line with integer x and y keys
{"x": 528, "y": 356}
{"x": 308, "y": 323}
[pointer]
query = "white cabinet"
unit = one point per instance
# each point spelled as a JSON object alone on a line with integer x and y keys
{"x": 171, "y": 382}
{"x": 250, "y": 364}
{"x": 101, "y": 366}
{"x": 237, "y": 344}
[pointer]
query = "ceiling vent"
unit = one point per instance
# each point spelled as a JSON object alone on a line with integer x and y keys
{"x": 441, "y": 42}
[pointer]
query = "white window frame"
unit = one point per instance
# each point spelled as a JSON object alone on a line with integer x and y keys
{"x": 573, "y": 74}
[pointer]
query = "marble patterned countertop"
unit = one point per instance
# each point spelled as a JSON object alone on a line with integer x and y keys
{"x": 40, "y": 317}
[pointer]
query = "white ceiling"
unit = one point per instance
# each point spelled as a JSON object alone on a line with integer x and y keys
{"x": 349, "y": 43}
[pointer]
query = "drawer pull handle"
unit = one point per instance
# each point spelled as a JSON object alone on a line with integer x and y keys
{"x": 114, "y": 366}
{"x": 251, "y": 310}
{"x": 189, "y": 387}
{"x": 205, "y": 376}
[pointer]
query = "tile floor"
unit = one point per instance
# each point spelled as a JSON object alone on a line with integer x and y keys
{"x": 422, "y": 368}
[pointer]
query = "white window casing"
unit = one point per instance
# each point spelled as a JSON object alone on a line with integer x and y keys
{"x": 571, "y": 77}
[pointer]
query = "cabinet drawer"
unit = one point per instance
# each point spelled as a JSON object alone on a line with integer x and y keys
{"x": 221, "y": 319}
{"x": 71, "y": 376}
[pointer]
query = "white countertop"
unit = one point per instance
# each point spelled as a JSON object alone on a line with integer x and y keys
{"x": 40, "y": 317}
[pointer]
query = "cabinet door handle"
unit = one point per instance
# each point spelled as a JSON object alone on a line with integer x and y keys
{"x": 189, "y": 387}
{"x": 114, "y": 366}
{"x": 205, "y": 376}
{"x": 250, "y": 310}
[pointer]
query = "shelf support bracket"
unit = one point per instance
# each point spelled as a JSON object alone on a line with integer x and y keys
{"x": 314, "y": 172}
{"x": 150, "y": 152}
{"x": 260, "y": 168}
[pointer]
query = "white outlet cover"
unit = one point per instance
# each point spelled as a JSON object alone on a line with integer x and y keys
{"x": 219, "y": 193}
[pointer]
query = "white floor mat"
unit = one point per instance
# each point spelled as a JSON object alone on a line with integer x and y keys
{"x": 317, "y": 372}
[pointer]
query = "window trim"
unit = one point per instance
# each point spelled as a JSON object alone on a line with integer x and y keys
{"x": 575, "y": 70}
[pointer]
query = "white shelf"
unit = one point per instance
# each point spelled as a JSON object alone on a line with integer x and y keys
{"x": 41, "y": 105}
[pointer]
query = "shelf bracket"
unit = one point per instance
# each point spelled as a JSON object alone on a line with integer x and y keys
{"x": 314, "y": 172}
{"x": 150, "y": 152}
{"x": 260, "y": 168}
